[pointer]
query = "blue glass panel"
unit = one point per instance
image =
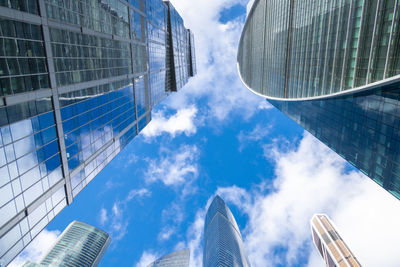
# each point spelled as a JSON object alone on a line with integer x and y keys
{"x": 46, "y": 120}
{"x": 53, "y": 163}
{"x": 49, "y": 135}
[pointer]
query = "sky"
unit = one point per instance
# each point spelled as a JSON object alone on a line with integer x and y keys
{"x": 215, "y": 137}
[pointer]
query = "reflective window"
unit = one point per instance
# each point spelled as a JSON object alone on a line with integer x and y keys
{"x": 30, "y": 6}
{"x": 363, "y": 128}
{"x": 23, "y": 64}
{"x": 81, "y": 58}
{"x": 91, "y": 123}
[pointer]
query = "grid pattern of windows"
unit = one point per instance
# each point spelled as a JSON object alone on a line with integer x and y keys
{"x": 363, "y": 128}
{"x": 317, "y": 47}
{"x": 29, "y": 163}
{"x": 107, "y": 16}
{"x": 157, "y": 86}
{"x": 79, "y": 245}
{"x": 25, "y": 110}
{"x": 22, "y": 58}
{"x": 105, "y": 86}
{"x": 223, "y": 245}
{"x": 140, "y": 58}
{"x": 140, "y": 96}
{"x": 175, "y": 259}
{"x": 157, "y": 56}
{"x": 81, "y": 57}
{"x": 91, "y": 169}
{"x": 28, "y": 228}
{"x": 137, "y": 25}
{"x": 30, "y": 6}
{"x": 90, "y": 124}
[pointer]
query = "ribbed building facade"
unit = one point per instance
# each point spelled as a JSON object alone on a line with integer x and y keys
{"x": 79, "y": 245}
{"x": 78, "y": 80}
{"x": 334, "y": 68}
{"x": 330, "y": 245}
{"x": 223, "y": 245}
{"x": 179, "y": 258}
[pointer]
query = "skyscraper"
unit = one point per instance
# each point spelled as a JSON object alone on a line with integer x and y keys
{"x": 330, "y": 245}
{"x": 223, "y": 244}
{"x": 175, "y": 259}
{"x": 79, "y": 245}
{"x": 78, "y": 82}
{"x": 333, "y": 67}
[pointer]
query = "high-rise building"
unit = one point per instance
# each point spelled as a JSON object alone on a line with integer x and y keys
{"x": 330, "y": 245}
{"x": 78, "y": 80}
{"x": 223, "y": 244}
{"x": 175, "y": 259}
{"x": 79, "y": 245}
{"x": 333, "y": 67}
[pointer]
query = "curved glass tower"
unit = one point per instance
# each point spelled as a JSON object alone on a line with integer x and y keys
{"x": 334, "y": 68}
{"x": 79, "y": 245}
{"x": 175, "y": 259}
{"x": 223, "y": 244}
{"x": 307, "y": 49}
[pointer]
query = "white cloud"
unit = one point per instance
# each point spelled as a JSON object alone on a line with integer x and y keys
{"x": 181, "y": 122}
{"x": 217, "y": 80}
{"x": 310, "y": 179}
{"x": 137, "y": 193}
{"x": 166, "y": 233}
{"x": 174, "y": 168}
{"x": 103, "y": 216}
{"x": 257, "y": 134}
{"x": 146, "y": 259}
{"x": 37, "y": 249}
{"x": 313, "y": 179}
{"x": 116, "y": 220}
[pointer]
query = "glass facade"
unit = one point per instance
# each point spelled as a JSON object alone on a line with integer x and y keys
{"x": 363, "y": 128}
{"x": 79, "y": 245}
{"x": 331, "y": 47}
{"x": 78, "y": 81}
{"x": 330, "y": 245}
{"x": 223, "y": 245}
{"x": 176, "y": 259}
{"x": 304, "y": 49}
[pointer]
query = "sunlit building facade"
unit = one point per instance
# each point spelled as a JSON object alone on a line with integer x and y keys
{"x": 330, "y": 245}
{"x": 78, "y": 80}
{"x": 79, "y": 245}
{"x": 179, "y": 258}
{"x": 334, "y": 68}
{"x": 223, "y": 245}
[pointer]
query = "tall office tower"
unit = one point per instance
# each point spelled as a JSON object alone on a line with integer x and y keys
{"x": 175, "y": 259}
{"x": 330, "y": 245}
{"x": 79, "y": 245}
{"x": 78, "y": 80}
{"x": 223, "y": 245}
{"x": 333, "y": 67}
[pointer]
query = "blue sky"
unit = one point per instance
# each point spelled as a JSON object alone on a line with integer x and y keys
{"x": 215, "y": 136}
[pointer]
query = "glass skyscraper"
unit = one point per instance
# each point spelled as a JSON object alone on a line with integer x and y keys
{"x": 79, "y": 245}
{"x": 78, "y": 80}
{"x": 175, "y": 259}
{"x": 329, "y": 243}
{"x": 223, "y": 245}
{"x": 333, "y": 67}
